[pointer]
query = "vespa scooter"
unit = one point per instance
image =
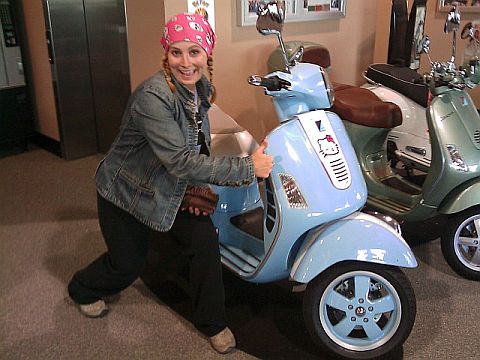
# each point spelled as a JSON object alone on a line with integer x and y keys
{"x": 305, "y": 225}
{"x": 409, "y": 143}
{"x": 452, "y": 183}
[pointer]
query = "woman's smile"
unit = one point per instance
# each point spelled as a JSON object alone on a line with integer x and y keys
{"x": 187, "y": 62}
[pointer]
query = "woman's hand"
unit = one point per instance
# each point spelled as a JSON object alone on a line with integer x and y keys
{"x": 193, "y": 210}
{"x": 198, "y": 212}
{"x": 262, "y": 163}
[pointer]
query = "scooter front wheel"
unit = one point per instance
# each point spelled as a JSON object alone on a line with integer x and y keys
{"x": 359, "y": 310}
{"x": 460, "y": 243}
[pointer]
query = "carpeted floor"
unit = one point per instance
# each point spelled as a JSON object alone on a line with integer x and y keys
{"x": 48, "y": 230}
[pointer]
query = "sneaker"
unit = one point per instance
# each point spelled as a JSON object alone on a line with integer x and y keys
{"x": 223, "y": 342}
{"x": 94, "y": 310}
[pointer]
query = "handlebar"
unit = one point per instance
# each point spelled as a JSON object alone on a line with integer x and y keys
{"x": 444, "y": 74}
{"x": 273, "y": 83}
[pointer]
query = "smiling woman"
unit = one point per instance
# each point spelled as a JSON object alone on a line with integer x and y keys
{"x": 157, "y": 176}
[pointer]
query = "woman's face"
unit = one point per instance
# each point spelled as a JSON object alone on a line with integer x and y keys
{"x": 187, "y": 62}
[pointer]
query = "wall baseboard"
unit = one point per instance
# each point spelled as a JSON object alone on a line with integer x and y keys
{"x": 46, "y": 143}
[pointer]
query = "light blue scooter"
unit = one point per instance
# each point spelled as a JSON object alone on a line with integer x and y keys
{"x": 305, "y": 223}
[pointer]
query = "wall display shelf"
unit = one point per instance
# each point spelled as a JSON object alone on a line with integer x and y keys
{"x": 296, "y": 10}
{"x": 463, "y": 5}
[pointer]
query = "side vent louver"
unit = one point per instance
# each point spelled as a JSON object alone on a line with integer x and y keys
{"x": 271, "y": 208}
{"x": 476, "y": 136}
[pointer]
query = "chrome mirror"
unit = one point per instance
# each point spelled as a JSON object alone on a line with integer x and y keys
{"x": 453, "y": 21}
{"x": 468, "y": 31}
{"x": 271, "y": 15}
{"x": 451, "y": 25}
{"x": 423, "y": 45}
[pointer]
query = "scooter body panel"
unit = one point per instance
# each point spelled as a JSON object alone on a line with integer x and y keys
{"x": 457, "y": 119}
{"x": 412, "y": 136}
{"x": 308, "y": 91}
{"x": 453, "y": 122}
{"x": 359, "y": 237}
{"x": 302, "y": 162}
{"x": 467, "y": 195}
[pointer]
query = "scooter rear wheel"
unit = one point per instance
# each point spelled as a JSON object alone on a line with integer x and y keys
{"x": 359, "y": 310}
{"x": 460, "y": 243}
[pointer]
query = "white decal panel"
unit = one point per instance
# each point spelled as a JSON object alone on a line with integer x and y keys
{"x": 323, "y": 139}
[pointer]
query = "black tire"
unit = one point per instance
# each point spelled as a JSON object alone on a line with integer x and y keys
{"x": 361, "y": 313}
{"x": 460, "y": 243}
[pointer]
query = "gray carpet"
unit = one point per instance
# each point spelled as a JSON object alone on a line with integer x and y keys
{"x": 48, "y": 230}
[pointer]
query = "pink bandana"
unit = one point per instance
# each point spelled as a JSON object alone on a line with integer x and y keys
{"x": 189, "y": 27}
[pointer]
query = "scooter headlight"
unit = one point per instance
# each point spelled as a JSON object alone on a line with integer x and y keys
{"x": 328, "y": 86}
{"x": 456, "y": 159}
{"x": 295, "y": 198}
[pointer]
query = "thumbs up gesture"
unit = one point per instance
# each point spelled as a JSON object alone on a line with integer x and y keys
{"x": 262, "y": 163}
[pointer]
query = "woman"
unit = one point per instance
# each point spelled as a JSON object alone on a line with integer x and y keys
{"x": 163, "y": 148}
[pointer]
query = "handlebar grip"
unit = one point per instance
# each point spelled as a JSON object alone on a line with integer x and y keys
{"x": 273, "y": 83}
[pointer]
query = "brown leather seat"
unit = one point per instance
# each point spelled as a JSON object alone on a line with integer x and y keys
{"x": 317, "y": 55}
{"x": 363, "y": 107}
{"x": 357, "y": 105}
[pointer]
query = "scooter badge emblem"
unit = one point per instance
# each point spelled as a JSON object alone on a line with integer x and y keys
{"x": 328, "y": 146}
{"x": 319, "y": 131}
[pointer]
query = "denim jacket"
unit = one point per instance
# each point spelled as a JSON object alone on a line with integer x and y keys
{"x": 155, "y": 156}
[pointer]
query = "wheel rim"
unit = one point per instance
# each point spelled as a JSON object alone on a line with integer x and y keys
{"x": 360, "y": 310}
{"x": 467, "y": 242}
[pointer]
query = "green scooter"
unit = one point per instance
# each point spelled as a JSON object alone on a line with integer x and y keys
{"x": 452, "y": 184}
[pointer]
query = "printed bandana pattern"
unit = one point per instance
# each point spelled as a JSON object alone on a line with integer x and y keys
{"x": 189, "y": 27}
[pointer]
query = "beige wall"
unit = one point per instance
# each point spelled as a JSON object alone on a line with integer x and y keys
{"x": 440, "y": 43}
{"x": 44, "y": 102}
{"x": 353, "y": 42}
{"x": 240, "y": 52}
{"x": 145, "y": 22}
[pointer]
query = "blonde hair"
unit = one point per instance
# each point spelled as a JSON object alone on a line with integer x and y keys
{"x": 168, "y": 75}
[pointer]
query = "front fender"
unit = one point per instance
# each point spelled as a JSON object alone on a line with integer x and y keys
{"x": 359, "y": 237}
{"x": 461, "y": 199}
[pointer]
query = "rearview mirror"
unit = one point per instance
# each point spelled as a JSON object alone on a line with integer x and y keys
{"x": 424, "y": 45}
{"x": 468, "y": 31}
{"x": 453, "y": 21}
{"x": 271, "y": 16}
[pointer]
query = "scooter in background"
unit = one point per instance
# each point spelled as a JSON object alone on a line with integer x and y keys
{"x": 452, "y": 182}
{"x": 305, "y": 225}
{"x": 409, "y": 143}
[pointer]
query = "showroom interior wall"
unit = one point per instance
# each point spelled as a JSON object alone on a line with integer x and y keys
{"x": 353, "y": 41}
{"x": 40, "y": 73}
{"x": 241, "y": 51}
{"x": 440, "y": 45}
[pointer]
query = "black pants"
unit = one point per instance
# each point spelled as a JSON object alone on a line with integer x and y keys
{"x": 127, "y": 242}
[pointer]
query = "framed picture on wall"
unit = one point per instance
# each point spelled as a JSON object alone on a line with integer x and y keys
{"x": 463, "y": 5}
{"x": 420, "y": 14}
{"x": 206, "y": 8}
{"x": 295, "y": 10}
